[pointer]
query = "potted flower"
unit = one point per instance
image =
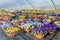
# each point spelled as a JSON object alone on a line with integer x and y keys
{"x": 38, "y": 33}
{"x": 22, "y": 18}
{"x": 50, "y": 28}
{"x": 27, "y": 27}
{"x": 35, "y": 16}
{"x": 11, "y": 32}
{"x": 57, "y": 23}
{"x": 6, "y": 17}
{"x": 51, "y": 31}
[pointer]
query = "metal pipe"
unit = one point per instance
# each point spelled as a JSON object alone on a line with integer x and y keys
{"x": 30, "y": 4}
{"x": 53, "y": 3}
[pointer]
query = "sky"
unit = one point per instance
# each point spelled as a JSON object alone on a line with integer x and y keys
{"x": 24, "y": 4}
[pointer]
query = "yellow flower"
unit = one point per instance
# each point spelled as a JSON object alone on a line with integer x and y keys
{"x": 0, "y": 13}
{"x": 15, "y": 29}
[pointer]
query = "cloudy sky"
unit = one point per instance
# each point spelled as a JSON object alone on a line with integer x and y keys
{"x": 39, "y": 4}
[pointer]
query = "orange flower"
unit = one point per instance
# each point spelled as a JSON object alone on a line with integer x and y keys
{"x": 35, "y": 16}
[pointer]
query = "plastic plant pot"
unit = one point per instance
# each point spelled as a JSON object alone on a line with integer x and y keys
{"x": 51, "y": 33}
{"x": 39, "y": 36}
{"x": 11, "y": 35}
{"x": 27, "y": 30}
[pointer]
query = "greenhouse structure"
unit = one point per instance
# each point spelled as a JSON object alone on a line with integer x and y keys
{"x": 29, "y": 19}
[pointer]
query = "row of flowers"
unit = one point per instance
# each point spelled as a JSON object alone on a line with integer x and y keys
{"x": 30, "y": 27}
{"x": 38, "y": 29}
